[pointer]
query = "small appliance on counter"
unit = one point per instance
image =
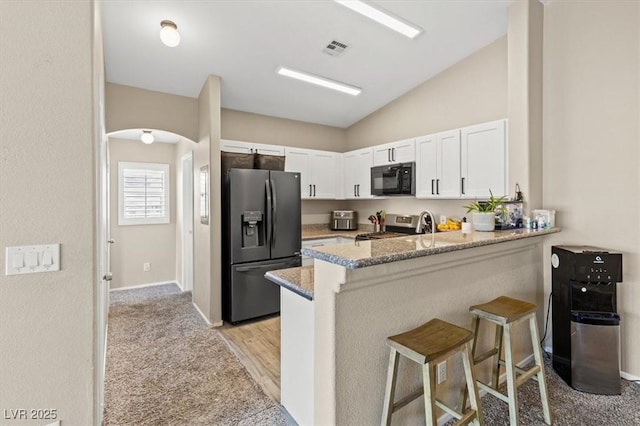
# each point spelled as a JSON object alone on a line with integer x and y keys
{"x": 344, "y": 220}
{"x": 397, "y": 225}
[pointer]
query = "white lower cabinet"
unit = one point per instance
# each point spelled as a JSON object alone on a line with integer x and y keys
{"x": 483, "y": 159}
{"x": 357, "y": 173}
{"x": 296, "y": 356}
{"x": 319, "y": 174}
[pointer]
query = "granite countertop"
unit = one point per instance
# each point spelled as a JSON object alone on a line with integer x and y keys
{"x": 299, "y": 280}
{"x": 314, "y": 232}
{"x": 361, "y": 254}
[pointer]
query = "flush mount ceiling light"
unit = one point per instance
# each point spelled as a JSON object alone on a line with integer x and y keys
{"x": 381, "y": 17}
{"x": 147, "y": 137}
{"x": 319, "y": 81}
{"x": 169, "y": 33}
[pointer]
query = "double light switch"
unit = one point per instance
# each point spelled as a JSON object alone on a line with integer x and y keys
{"x": 31, "y": 259}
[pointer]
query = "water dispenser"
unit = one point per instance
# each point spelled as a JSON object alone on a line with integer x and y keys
{"x": 252, "y": 235}
{"x": 586, "y": 325}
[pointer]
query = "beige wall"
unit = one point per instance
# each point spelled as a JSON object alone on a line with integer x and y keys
{"x": 183, "y": 147}
{"x": 245, "y": 126}
{"x": 138, "y": 244}
{"x": 47, "y": 139}
{"x": 133, "y": 108}
{"x": 452, "y": 99}
{"x": 472, "y": 91}
{"x": 591, "y": 139}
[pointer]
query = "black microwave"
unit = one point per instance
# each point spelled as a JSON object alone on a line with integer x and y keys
{"x": 394, "y": 179}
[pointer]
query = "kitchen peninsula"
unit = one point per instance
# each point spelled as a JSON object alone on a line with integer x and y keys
{"x": 333, "y": 333}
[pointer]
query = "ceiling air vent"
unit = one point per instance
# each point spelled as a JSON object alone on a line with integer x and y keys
{"x": 336, "y": 48}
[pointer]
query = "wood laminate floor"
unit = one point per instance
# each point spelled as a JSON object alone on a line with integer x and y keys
{"x": 257, "y": 345}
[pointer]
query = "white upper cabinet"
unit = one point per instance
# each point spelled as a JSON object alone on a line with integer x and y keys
{"x": 357, "y": 173}
{"x": 483, "y": 160}
{"x": 403, "y": 151}
{"x": 319, "y": 172}
{"x": 438, "y": 165}
{"x": 250, "y": 147}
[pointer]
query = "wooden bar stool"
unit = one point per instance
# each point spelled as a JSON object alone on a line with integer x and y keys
{"x": 427, "y": 345}
{"x": 504, "y": 312}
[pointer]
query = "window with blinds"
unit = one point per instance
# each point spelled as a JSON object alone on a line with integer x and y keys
{"x": 143, "y": 190}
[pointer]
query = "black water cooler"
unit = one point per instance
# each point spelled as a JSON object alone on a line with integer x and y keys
{"x": 586, "y": 325}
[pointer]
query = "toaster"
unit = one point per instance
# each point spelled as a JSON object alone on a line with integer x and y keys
{"x": 344, "y": 220}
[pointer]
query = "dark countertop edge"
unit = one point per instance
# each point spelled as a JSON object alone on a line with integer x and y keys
{"x": 288, "y": 285}
{"x": 363, "y": 263}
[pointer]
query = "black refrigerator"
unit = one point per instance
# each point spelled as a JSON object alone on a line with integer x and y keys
{"x": 260, "y": 232}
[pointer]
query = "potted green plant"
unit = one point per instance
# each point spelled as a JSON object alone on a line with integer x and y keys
{"x": 483, "y": 212}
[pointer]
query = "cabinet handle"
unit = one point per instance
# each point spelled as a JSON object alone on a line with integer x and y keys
{"x": 437, "y": 186}
{"x": 358, "y": 188}
{"x": 389, "y": 154}
{"x": 462, "y": 186}
{"x": 314, "y": 190}
{"x": 432, "y": 182}
{"x": 310, "y": 193}
{"x": 355, "y": 194}
{"x": 393, "y": 154}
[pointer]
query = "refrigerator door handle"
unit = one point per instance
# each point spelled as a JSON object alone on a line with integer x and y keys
{"x": 267, "y": 184}
{"x": 253, "y": 268}
{"x": 274, "y": 215}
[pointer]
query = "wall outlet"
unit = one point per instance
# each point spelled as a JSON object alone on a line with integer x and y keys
{"x": 146, "y": 267}
{"x": 442, "y": 372}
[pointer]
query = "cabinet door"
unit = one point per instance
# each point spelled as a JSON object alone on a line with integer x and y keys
{"x": 426, "y": 166}
{"x": 264, "y": 149}
{"x": 448, "y": 181}
{"x": 299, "y": 160}
{"x": 235, "y": 146}
{"x": 382, "y": 155}
{"x": 357, "y": 173}
{"x": 324, "y": 174}
{"x": 484, "y": 159}
{"x": 403, "y": 151}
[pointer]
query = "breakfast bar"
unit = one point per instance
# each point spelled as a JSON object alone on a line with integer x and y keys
{"x": 333, "y": 333}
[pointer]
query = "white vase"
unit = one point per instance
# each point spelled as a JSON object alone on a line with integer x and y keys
{"x": 484, "y": 221}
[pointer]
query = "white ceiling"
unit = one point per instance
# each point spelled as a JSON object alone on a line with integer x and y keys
{"x": 245, "y": 41}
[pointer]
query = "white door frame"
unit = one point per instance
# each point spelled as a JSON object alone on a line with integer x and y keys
{"x": 187, "y": 222}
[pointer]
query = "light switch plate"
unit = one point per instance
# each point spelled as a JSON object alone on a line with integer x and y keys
{"x": 32, "y": 259}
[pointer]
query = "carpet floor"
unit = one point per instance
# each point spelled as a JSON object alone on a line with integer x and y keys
{"x": 165, "y": 366}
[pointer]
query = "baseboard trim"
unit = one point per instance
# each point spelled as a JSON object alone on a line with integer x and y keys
{"x": 201, "y": 314}
{"x": 217, "y": 323}
{"x": 132, "y": 287}
{"x": 503, "y": 378}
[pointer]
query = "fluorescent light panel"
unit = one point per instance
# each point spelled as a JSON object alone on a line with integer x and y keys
{"x": 320, "y": 81}
{"x": 381, "y": 17}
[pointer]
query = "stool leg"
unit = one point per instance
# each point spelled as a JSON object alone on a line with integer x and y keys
{"x": 475, "y": 326}
{"x": 390, "y": 390}
{"x": 429, "y": 384}
{"x": 474, "y": 398}
{"x": 537, "y": 354}
{"x": 495, "y": 377}
{"x": 512, "y": 389}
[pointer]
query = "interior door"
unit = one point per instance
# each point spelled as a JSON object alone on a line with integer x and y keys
{"x": 187, "y": 221}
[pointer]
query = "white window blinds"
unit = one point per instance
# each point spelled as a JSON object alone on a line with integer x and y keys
{"x": 143, "y": 193}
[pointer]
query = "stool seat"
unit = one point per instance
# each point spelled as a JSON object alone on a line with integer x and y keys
{"x": 430, "y": 341}
{"x": 504, "y": 309}
{"x": 427, "y": 345}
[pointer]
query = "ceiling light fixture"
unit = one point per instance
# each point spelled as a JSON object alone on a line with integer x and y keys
{"x": 147, "y": 137}
{"x": 169, "y": 33}
{"x": 381, "y": 17}
{"x": 320, "y": 81}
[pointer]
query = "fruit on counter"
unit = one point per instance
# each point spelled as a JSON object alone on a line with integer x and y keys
{"x": 451, "y": 225}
